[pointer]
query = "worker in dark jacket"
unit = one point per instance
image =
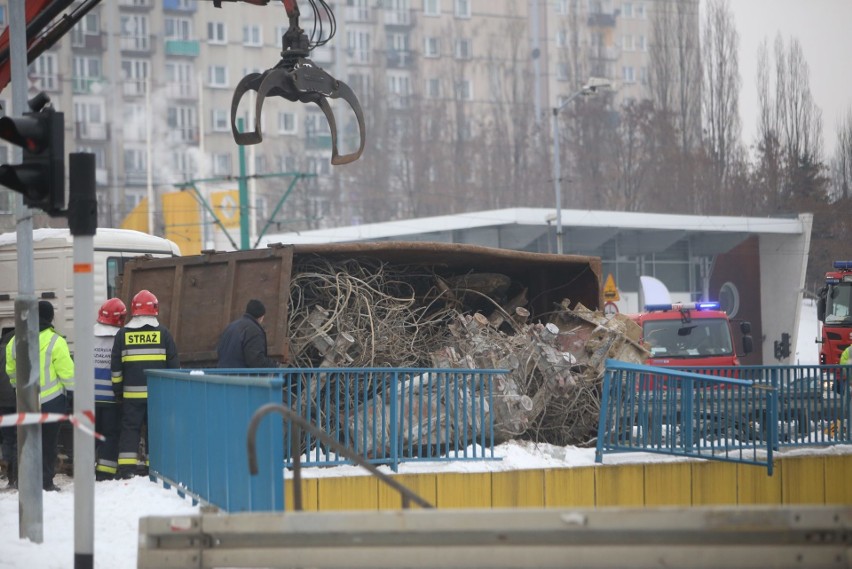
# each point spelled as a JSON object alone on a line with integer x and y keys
{"x": 8, "y": 406}
{"x": 140, "y": 344}
{"x": 243, "y": 343}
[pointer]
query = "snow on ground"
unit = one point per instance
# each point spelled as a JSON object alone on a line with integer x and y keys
{"x": 120, "y": 504}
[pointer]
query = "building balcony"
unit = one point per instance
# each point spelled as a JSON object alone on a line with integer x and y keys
{"x": 87, "y": 85}
{"x": 184, "y": 90}
{"x": 183, "y": 48}
{"x": 601, "y": 20}
{"x": 323, "y": 54}
{"x": 605, "y": 53}
{"x": 136, "y": 177}
{"x": 359, "y": 14}
{"x": 397, "y": 59}
{"x": 139, "y": 4}
{"x": 91, "y": 131}
{"x": 133, "y": 87}
{"x": 318, "y": 142}
{"x": 140, "y": 44}
{"x": 183, "y": 6}
{"x": 91, "y": 42}
{"x": 183, "y": 135}
{"x": 400, "y": 18}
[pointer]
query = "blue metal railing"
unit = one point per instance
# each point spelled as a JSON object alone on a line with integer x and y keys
{"x": 390, "y": 414}
{"x": 662, "y": 410}
{"x": 813, "y": 401}
{"x": 387, "y": 415}
{"x": 197, "y": 432}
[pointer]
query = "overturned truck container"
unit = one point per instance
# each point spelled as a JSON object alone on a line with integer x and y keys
{"x": 199, "y": 295}
{"x": 411, "y": 305}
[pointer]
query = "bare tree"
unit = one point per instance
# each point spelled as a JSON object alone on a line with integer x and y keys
{"x": 841, "y": 163}
{"x": 721, "y": 90}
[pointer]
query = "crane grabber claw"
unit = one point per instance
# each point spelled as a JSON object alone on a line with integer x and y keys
{"x": 298, "y": 79}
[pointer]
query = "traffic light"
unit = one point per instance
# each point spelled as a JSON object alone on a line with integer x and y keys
{"x": 782, "y": 348}
{"x": 40, "y": 177}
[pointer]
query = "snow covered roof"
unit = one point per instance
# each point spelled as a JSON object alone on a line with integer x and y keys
{"x": 586, "y": 229}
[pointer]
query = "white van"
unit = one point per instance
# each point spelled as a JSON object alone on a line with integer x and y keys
{"x": 53, "y": 251}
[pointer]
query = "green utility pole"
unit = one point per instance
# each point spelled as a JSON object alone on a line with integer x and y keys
{"x": 193, "y": 188}
{"x": 244, "y": 221}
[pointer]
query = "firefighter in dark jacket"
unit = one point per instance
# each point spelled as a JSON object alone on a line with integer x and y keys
{"x": 243, "y": 343}
{"x": 141, "y": 344}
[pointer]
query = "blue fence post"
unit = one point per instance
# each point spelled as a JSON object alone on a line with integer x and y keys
{"x": 394, "y": 430}
{"x": 688, "y": 411}
{"x": 603, "y": 420}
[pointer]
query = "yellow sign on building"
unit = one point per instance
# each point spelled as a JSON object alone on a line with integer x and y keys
{"x": 610, "y": 291}
{"x": 226, "y": 204}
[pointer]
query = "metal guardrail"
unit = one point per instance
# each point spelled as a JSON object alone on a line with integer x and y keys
{"x": 199, "y": 420}
{"x": 666, "y": 411}
{"x": 731, "y": 537}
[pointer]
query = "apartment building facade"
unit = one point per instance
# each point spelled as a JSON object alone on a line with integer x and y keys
{"x": 147, "y": 85}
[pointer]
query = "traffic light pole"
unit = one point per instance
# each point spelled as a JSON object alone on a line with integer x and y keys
{"x": 30, "y": 477}
{"x": 83, "y": 223}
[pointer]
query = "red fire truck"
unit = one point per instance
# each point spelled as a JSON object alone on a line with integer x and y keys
{"x": 691, "y": 335}
{"x": 833, "y": 311}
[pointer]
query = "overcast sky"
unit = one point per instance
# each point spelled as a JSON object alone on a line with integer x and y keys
{"x": 823, "y": 29}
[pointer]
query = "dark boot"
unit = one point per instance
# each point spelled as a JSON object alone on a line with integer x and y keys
{"x": 12, "y": 473}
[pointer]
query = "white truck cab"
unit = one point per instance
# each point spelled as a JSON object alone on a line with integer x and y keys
{"x": 53, "y": 256}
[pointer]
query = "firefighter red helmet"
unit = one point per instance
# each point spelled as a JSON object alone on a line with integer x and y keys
{"x": 144, "y": 304}
{"x": 112, "y": 312}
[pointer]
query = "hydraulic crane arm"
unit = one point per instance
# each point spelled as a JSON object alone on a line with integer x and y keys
{"x": 296, "y": 78}
{"x": 41, "y": 32}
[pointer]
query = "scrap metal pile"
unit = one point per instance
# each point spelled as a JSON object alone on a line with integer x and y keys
{"x": 376, "y": 314}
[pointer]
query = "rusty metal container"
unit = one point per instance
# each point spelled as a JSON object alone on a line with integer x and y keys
{"x": 200, "y": 294}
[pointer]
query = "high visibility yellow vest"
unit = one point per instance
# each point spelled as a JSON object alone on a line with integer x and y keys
{"x": 56, "y": 368}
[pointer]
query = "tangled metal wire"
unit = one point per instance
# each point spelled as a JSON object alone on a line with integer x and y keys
{"x": 411, "y": 316}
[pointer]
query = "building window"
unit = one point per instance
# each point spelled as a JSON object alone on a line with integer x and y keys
{"x": 563, "y": 71}
{"x": 252, "y": 36}
{"x": 432, "y": 7}
{"x": 260, "y": 164}
{"x": 640, "y": 10}
{"x": 561, "y": 38}
{"x": 433, "y": 88}
{"x": 627, "y": 9}
{"x": 44, "y": 72}
{"x": 627, "y": 42}
{"x": 134, "y": 162}
{"x": 464, "y": 49}
{"x": 398, "y": 86}
{"x": 287, "y": 123}
{"x": 218, "y": 76}
{"x": 464, "y": 90}
{"x": 628, "y": 74}
{"x": 182, "y": 123}
{"x": 431, "y": 47}
{"x": 219, "y": 120}
{"x": 641, "y": 45}
{"x": 222, "y": 164}
{"x": 184, "y": 164}
{"x": 134, "y": 32}
{"x": 643, "y": 75}
{"x": 286, "y": 163}
{"x": 217, "y": 33}
{"x": 178, "y": 29}
{"x": 358, "y": 46}
{"x": 88, "y": 26}
{"x": 462, "y": 8}
{"x": 87, "y": 70}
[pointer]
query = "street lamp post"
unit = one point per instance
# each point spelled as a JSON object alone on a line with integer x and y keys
{"x": 593, "y": 86}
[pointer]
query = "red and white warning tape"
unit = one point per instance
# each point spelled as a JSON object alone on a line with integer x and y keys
{"x": 17, "y": 419}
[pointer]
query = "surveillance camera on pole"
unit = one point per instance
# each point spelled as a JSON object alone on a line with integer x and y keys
{"x": 40, "y": 177}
